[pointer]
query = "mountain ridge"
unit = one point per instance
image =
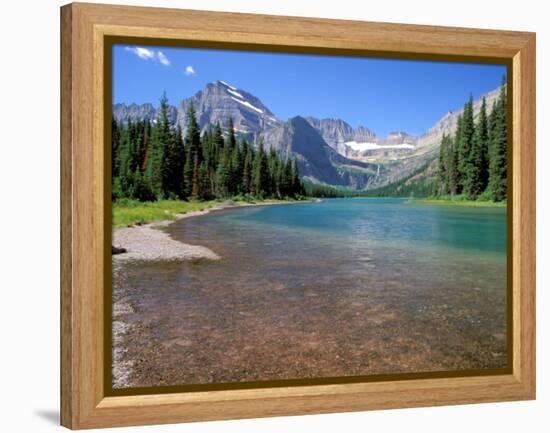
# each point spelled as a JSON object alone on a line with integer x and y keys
{"x": 328, "y": 150}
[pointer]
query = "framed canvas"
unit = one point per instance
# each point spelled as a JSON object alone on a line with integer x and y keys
{"x": 327, "y": 266}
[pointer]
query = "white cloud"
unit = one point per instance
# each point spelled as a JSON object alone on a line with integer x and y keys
{"x": 142, "y": 53}
{"x": 163, "y": 59}
{"x": 148, "y": 54}
{"x": 189, "y": 70}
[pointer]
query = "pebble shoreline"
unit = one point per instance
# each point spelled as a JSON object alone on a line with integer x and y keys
{"x": 146, "y": 242}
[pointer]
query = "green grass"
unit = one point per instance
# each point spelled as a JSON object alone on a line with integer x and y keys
{"x": 130, "y": 212}
{"x": 459, "y": 200}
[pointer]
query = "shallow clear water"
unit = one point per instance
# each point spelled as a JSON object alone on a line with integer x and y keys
{"x": 340, "y": 287}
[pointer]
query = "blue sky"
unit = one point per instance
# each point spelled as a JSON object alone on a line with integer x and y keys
{"x": 381, "y": 94}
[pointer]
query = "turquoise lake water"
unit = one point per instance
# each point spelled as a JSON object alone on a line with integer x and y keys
{"x": 335, "y": 288}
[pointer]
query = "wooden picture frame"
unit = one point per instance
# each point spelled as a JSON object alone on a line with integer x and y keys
{"x": 85, "y": 221}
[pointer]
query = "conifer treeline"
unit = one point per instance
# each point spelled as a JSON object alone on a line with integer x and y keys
{"x": 154, "y": 161}
{"x": 474, "y": 161}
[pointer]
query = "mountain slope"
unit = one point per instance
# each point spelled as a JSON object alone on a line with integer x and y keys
{"x": 335, "y": 132}
{"x": 317, "y": 161}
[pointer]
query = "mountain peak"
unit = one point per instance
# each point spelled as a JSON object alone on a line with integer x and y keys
{"x": 299, "y": 120}
{"x": 220, "y": 101}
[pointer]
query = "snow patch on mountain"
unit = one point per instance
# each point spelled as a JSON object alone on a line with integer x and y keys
{"x": 228, "y": 85}
{"x": 237, "y": 94}
{"x": 247, "y": 104}
{"x": 375, "y": 146}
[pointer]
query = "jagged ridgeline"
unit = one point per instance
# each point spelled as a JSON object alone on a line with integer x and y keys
{"x": 473, "y": 162}
{"x": 154, "y": 159}
{"x": 331, "y": 156}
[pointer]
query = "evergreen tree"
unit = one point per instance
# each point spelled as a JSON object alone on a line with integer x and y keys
{"x": 464, "y": 143}
{"x": 273, "y": 161}
{"x": 452, "y": 168}
{"x": 286, "y": 178}
{"x": 142, "y": 150}
{"x": 223, "y": 176}
{"x": 154, "y": 157}
{"x": 205, "y": 186}
{"x": 210, "y": 157}
{"x": 456, "y": 144}
{"x": 116, "y": 189}
{"x": 217, "y": 138}
{"x": 125, "y": 159}
{"x": 234, "y": 161}
{"x": 187, "y": 183}
{"x": 475, "y": 181}
{"x": 231, "y": 140}
{"x": 115, "y": 144}
{"x": 498, "y": 137}
{"x": 207, "y": 154}
{"x": 297, "y": 186}
{"x": 179, "y": 183}
{"x": 236, "y": 166}
{"x": 442, "y": 166}
{"x": 247, "y": 170}
{"x": 172, "y": 155}
{"x": 193, "y": 155}
{"x": 140, "y": 189}
{"x": 260, "y": 175}
{"x": 482, "y": 135}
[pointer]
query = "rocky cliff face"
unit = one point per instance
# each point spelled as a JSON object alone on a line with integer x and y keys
{"x": 362, "y": 134}
{"x": 335, "y": 132}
